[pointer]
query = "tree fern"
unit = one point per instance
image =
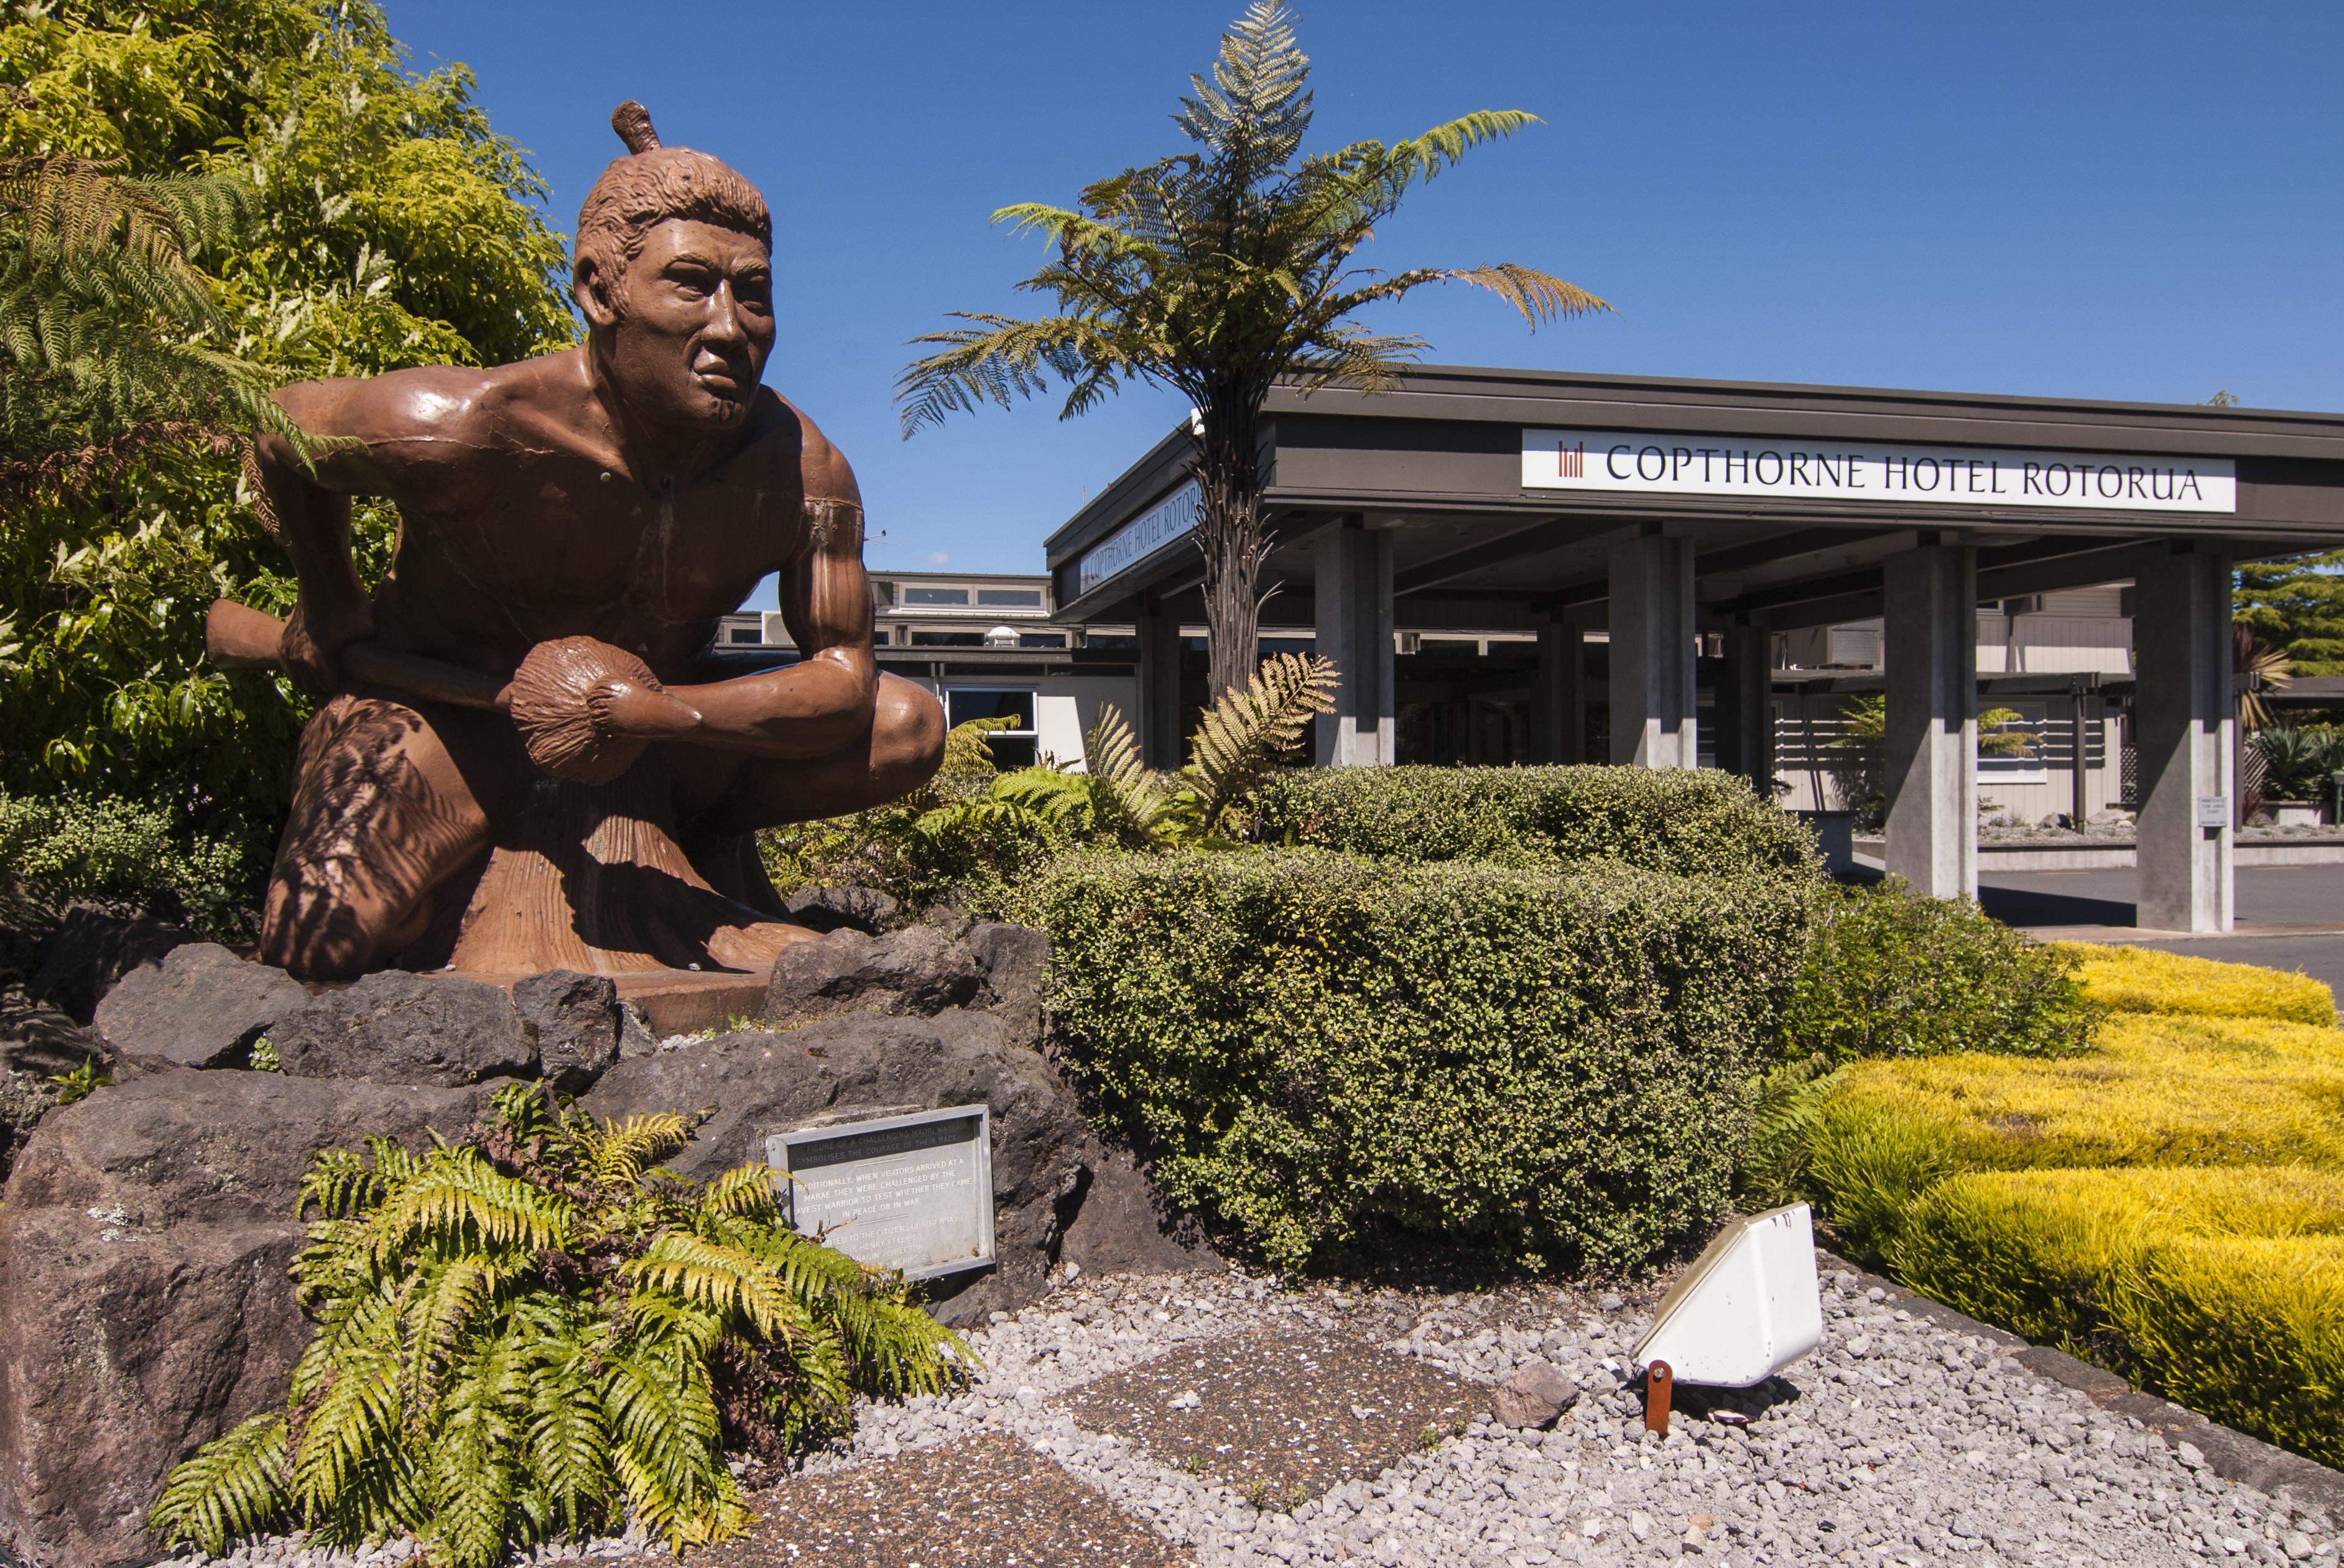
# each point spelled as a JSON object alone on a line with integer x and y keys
{"x": 1219, "y": 272}
{"x": 539, "y": 1332}
{"x": 108, "y": 331}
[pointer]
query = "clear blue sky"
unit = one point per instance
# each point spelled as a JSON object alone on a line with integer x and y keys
{"x": 2128, "y": 201}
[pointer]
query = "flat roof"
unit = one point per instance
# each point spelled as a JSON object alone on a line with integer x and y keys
{"x": 1440, "y": 460}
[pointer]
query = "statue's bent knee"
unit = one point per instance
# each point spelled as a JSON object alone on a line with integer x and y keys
{"x": 907, "y": 736}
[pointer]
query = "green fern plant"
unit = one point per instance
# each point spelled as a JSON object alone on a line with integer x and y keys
{"x": 1246, "y": 735}
{"x": 1242, "y": 740}
{"x": 539, "y": 1332}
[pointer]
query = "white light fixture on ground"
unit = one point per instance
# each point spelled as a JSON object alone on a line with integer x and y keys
{"x": 1749, "y": 1306}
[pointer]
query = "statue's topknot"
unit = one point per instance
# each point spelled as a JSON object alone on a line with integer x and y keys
{"x": 633, "y": 124}
{"x": 655, "y": 182}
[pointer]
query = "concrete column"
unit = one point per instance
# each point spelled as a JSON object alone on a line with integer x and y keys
{"x": 1653, "y": 651}
{"x": 1556, "y": 703}
{"x": 1354, "y": 593}
{"x": 1930, "y": 616}
{"x": 1157, "y": 722}
{"x": 1745, "y": 707}
{"x": 2185, "y": 719}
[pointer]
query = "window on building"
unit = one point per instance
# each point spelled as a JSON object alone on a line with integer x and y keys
{"x": 745, "y": 633}
{"x": 1027, "y": 597}
{"x": 936, "y": 595}
{"x": 1041, "y": 640}
{"x": 948, "y": 639}
{"x": 1014, "y": 744}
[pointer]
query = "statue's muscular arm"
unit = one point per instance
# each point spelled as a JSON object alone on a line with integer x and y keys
{"x": 823, "y": 701}
{"x": 375, "y": 427}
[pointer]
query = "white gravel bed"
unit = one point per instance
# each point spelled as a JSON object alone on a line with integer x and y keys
{"x": 1906, "y": 1443}
{"x": 1898, "y": 1441}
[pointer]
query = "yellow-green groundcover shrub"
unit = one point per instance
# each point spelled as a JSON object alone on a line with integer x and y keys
{"x": 2143, "y": 979}
{"x": 2168, "y": 1202}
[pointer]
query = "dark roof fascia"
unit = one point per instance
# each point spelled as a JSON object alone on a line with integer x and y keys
{"x": 1860, "y": 515}
{"x": 1483, "y": 395}
{"x": 1139, "y": 487}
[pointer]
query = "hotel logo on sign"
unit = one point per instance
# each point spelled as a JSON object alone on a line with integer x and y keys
{"x": 1755, "y": 466}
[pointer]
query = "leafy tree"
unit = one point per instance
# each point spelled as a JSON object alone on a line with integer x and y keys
{"x": 2297, "y": 605}
{"x": 1219, "y": 273}
{"x": 332, "y": 213}
{"x": 538, "y": 1333}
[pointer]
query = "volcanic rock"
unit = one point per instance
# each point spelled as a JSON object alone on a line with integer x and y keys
{"x": 400, "y": 1028}
{"x": 577, "y": 1022}
{"x": 145, "y": 1307}
{"x": 201, "y": 1006}
{"x": 916, "y": 971}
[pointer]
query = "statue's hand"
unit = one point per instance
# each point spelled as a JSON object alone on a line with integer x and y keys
{"x": 586, "y": 710}
{"x": 314, "y": 639}
{"x": 621, "y": 707}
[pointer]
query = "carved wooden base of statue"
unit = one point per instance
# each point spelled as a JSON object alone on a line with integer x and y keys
{"x": 588, "y": 877}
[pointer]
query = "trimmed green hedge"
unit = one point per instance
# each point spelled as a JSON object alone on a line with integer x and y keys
{"x": 1683, "y": 821}
{"x": 1893, "y": 972}
{"x": 1328, "y": 1053}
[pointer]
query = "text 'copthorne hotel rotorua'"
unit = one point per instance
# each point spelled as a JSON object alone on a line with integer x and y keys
{"x": 1747, "y": 466}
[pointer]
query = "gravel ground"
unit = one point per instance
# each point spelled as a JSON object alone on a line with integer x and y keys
{"x": 1898, "y": 1441}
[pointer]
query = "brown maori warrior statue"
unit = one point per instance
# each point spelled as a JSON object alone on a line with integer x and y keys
{"x": 516, "y": 764}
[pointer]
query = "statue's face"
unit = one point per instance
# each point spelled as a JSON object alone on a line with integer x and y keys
{"x": 692, "y": 326}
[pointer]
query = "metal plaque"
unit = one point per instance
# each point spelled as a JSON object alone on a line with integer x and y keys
{"x": 2213, "y": 810}
{"x": 911, "y": 1193}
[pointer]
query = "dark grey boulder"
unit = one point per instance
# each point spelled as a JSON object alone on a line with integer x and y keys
{"x": 202, "y": 1006}
{"x": 400, "y": 1028}
{"x": 1015, "y": 962}
{"x": 866, "y": 909}
{"x": 91, "y": 949}
{"x": 917, "y": 971}
{"x": 576, "y": 1021}
{"x": 144, "y": 1306}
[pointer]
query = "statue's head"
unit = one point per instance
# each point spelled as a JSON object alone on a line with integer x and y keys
{"x": 674, "y": 275}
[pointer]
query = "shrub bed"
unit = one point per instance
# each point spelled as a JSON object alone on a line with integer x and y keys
{"x": 2142, "y": 980}
{"x": 1682, "y": 821}
{"x": 1323, "y": 1052}
{"x": 2169, "y": 1202}
{"x": 1892, "y": 974}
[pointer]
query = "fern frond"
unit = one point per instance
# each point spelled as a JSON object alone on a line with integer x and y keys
{"x": 235, "y": 1486}
{"x": 459, "y": 1195}
{"x": 569, "y": 1441}
{"x": 743, "y": 1192}
{"x": 475, "y": 1454}
{"x": 716, "y": 1276}
{"x": 623, "y": 1151}
{"x": 1246, "y": 735}
{"x": 1129, "y": 797}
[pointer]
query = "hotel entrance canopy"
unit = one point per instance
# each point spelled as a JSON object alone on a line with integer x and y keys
{"x": 1683, "y": 514}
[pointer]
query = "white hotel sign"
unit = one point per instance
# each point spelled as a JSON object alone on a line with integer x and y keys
{"x": 1172, "y": 517}
{"x": 1775, "y": 470}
